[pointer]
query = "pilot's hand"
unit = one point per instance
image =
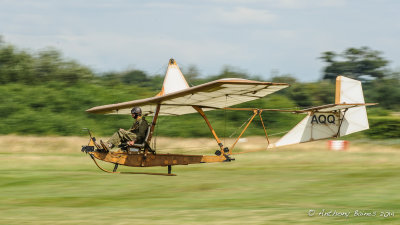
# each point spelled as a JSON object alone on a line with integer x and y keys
{"x": 130, "y": 143}
{"x": 121, "y": 129}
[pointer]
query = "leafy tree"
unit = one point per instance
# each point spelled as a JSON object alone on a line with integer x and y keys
{"x": 356, "y": 63}
{"x": 307, "y": 94}
{"x": 134, "y": 77}
{"x": 284, "y": 79}
{"x": 49, "y": 65}
{"x": 192, "y": 75}
{"x": 386, "y": 92}
{"x": 110, "y": 78}
{"x": 230, "y": 72}
{"x": 18, "y": 66}
{"x": 15, "y": 65}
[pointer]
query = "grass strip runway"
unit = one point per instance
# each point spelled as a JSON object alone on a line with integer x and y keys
{"x": 47, "y": 180}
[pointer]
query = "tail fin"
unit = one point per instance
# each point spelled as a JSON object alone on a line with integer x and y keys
{"x": 346, "y": 116}
{"x": 349, "y": 91}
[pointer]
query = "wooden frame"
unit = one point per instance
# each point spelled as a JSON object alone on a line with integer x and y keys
{"x": 146, "y": 158}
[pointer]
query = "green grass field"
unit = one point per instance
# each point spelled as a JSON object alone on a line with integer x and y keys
{"x": 49, "y": 181}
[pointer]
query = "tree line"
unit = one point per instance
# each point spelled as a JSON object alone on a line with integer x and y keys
{"x": 44, "y": 93}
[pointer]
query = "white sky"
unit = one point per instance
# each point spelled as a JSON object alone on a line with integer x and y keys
{"x": 256, "y": 36}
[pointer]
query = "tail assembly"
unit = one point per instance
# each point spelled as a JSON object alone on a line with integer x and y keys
{"x": 348, "y": 115}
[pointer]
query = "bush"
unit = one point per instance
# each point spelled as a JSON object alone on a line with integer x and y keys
{"x": 383, "y": 127}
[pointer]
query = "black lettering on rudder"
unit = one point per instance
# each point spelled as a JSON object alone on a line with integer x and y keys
{"x": 323, "y": 118}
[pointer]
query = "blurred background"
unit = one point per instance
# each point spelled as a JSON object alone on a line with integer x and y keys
{"x": 59, "y": 58}
{"x": 44, "y": 93}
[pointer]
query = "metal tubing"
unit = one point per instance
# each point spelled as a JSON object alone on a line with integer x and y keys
{"x": 198, "y": 109}
{"x": 341, "y": 121}
{"x": 265, "y": 130}
{"x": 153, "y": 124}
{"x": 255, "y": 113}
{"x": 252, "y": 109}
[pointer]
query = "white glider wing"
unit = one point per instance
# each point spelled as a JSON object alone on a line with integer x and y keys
{"x": 213, "y": 95}
{"x": 177, "y": 98}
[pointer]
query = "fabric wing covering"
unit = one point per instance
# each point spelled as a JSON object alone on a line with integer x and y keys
{"x": 209, "y": 96}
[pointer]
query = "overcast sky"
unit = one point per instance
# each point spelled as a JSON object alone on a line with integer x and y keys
{"x": 255, "y": 36}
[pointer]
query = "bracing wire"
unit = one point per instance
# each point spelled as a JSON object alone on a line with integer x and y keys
{"x": 225, "y": 128}
{"x": 234, "y": 132}
{"x": 226, "y": 101}
{"x": 274, "y": 134}
{"x": 155, "y": 137}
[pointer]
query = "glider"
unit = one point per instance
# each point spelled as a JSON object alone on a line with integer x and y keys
{"x": 347, "y": 115}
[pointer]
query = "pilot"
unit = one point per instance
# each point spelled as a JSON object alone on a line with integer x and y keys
{"x": 135, "y": 135}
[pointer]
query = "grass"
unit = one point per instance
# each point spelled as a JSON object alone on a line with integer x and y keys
{"x": 48, "y": 180}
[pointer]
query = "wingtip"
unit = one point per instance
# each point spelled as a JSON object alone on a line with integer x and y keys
{"x": 89, "y": 110}
{"x": 93, "y": 110}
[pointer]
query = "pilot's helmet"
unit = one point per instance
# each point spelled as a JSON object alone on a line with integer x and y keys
{"x": 137, "y": 111}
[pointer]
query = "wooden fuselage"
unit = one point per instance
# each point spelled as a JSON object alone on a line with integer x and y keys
{"x": 150, "y": 159}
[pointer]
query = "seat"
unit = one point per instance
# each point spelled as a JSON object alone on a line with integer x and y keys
{"x": 139, "y": 147}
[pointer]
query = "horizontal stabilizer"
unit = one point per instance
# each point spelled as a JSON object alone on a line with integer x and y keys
{"x": 313, "y": 127}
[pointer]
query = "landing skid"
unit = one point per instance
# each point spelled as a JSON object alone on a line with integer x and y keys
{"x": 116, "y": 167}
